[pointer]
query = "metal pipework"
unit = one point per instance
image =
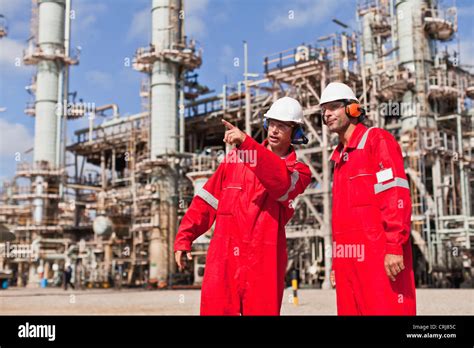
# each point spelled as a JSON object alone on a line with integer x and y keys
{"x": 113, "y": 107}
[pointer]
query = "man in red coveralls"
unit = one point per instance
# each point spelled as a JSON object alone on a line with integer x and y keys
{"x": 251, "y": 202}
{"x": 370, "y": 214}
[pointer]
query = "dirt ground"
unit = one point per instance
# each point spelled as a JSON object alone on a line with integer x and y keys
{"x": 18, "y": 301}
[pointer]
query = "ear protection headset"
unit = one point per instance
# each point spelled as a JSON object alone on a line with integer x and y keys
{"x": 353, "y": 110}
{"x": 297, "y": 136}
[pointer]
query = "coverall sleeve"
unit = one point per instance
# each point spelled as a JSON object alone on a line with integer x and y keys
{"x": 201, "y": 213}
{"x": 282, "y": 182}
{"x": 392, "y": 191}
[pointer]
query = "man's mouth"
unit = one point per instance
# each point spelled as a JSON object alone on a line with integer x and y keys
{"x": 330, "y": 121}
{"x": 273, "y": 138}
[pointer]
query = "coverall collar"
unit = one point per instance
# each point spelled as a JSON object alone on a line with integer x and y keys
{"x": 290, "y": 157}
{"x": 353, "y": 141}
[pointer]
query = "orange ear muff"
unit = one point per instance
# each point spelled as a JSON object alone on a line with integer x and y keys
{"x": 353, "y": 110}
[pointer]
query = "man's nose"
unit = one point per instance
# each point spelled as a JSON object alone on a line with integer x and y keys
{"x": 328, "y": 113}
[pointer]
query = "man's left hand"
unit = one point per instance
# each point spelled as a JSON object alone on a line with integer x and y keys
{"x": 233, "y": 135}
{"x": 393, "y": 265}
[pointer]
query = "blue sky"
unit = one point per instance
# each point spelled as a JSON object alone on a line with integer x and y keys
{"x": 109, "y": 32}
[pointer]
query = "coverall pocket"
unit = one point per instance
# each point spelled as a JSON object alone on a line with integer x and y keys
{"x": 229, "y": 199}
{"x": 361, "y": 189}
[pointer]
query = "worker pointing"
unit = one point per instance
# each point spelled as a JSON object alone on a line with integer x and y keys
{"x": 371, "y": 213}
{"x": 250, "y": 204}
{"x": 233, "y": 135}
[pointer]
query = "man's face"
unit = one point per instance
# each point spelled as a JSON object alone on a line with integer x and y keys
{"x": 335, "y": 116}
{"x": 279, "y": 133}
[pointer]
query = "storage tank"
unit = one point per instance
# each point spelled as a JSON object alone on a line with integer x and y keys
{"x": 102, "y": 226}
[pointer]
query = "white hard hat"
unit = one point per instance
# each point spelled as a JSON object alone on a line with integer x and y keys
{"x": 337, "y": 91}
{"x": 286, "y": 109}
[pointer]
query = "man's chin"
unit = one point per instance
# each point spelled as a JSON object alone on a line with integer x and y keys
{"x": 273, "y": 142}
{"x": 333, "y": 127}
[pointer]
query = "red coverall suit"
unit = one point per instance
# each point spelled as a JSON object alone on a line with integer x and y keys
{"x": 251, "y": 202}
{"x": 371, "y": 214}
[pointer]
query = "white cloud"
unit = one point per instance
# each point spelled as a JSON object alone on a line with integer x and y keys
{"x": 195, "y": 6}
{"x": 225, "y": 64}
{"x": 141, "y": 25}
{"x": 195, "y": 27}
{"x": 194, "y": 21}
{"x": 301, "y": 13}
{"x": 15, "y": 138}
{"x": 19, "y": 28}
{"x": 17, "y": 15}
{"x": 130, "y": 76}
{"x": 10, "y": 51}
{"x": 11, "y": 57}
{"x": 12, "y": 8}
{"x": 99, "y": 79}
{"x": 195, "y": 18}
{"x": 84, "y": 17}
{"x": 467, "y": 11}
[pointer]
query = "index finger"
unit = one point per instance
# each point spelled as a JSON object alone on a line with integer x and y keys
{"x": 389, "y": 273}
{"x": 228, "y": 125}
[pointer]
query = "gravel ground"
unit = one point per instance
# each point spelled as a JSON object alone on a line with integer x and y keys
{"x": 18, "y": 301}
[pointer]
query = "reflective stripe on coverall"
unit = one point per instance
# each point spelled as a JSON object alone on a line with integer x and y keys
{"x": 371, "y": 218}
{"x": 251, "y": 202}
